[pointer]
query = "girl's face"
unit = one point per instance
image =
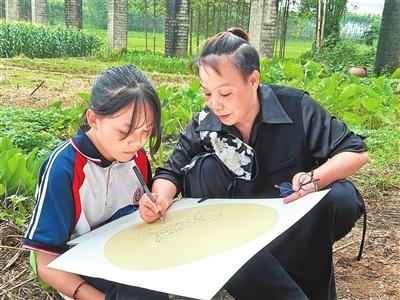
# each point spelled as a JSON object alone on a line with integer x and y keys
{"x": 110, "y": 133}
{"x": 230, "y": 96}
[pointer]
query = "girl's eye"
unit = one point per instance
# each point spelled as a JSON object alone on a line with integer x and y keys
{"x": 122, "y": 134}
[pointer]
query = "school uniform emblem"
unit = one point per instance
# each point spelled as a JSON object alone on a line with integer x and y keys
{"x": 136, "y": 196}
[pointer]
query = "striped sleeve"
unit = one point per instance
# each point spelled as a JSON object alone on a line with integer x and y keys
{"x": 52, "y": 222}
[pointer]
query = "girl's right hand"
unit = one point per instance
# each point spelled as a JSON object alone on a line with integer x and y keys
{"x": 148, "y": 210}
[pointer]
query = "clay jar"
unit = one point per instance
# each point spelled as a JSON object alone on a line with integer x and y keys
{"x": 358, "y": 71}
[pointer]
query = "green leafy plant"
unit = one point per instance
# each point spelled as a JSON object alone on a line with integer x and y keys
{"x": 41, "y": 128}
{"x": 45, "y": 42}
{"x": 362, "y": 103}
{"x": 18, "y": 172}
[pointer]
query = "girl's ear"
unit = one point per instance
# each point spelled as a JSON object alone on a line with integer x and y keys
{"x": 91, "y": 118}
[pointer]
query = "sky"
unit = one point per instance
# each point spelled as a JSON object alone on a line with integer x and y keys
{"x": 366, "y": 6}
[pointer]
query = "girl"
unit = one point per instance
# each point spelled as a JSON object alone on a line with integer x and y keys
{"x": 88, "y": 180}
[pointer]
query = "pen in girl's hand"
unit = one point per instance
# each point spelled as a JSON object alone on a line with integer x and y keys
{"x": 146, "y": 189}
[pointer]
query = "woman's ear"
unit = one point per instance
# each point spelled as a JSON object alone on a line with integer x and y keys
{"x": 255, "y": 79}
{"x": 91, "y": 118}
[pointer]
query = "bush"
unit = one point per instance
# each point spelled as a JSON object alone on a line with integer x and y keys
{"x": 40, "y": 128}
{"x": 45, "y": 42}
{"x": 148, "y": 60}
{"x": 341, "y": 55}
{"x": 18, "y": 172}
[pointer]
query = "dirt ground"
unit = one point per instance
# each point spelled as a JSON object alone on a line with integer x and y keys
{"x": 24, "y": 87}
{"x": 376, "y": 276}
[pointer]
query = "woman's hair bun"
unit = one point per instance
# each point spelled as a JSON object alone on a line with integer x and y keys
{"x": 240, "y": 33}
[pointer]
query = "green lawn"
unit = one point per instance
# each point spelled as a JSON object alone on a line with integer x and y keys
{"x": 295, "y": 48}
{"x": 137, "y": 41}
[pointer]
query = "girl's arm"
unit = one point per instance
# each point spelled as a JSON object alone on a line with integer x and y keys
{"x": 64, "y": 282}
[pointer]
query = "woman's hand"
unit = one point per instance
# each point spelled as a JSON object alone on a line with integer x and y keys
{"x": 302, "y": 184}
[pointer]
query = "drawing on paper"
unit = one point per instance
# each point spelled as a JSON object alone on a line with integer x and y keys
{"x": 188, "y": 235}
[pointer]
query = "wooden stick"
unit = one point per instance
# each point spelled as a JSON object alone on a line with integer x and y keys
{"x": 18, "y": 285}
{"x": 13, "y": 248}
{"x": 344, "y": 246}
{"x": 12, "y": 279}
{"x": 36, "y": 88}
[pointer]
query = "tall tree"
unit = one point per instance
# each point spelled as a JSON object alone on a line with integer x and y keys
{"x": 176, "y": 27}
{"x": 39, "y": 11}
{"x": 262, "y": 28}
{"x": 73, "y": 13}
{"x": 117, "y": 25}
{"x": 331, "y": 12}
{"x": 388, "y": 51}
{"x": 2, "y": 9}
{"x": 13, "y": 10}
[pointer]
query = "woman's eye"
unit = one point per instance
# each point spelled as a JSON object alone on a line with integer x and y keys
{"x": 226, "y": 95}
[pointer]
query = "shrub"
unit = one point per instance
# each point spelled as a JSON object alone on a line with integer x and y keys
{"x": 18, "y": 172}
{"x": 341, "y": 55}
{"x": 148, "y": 60}
{"x": 45, "y": 42}
{"x": 40, "y": 128}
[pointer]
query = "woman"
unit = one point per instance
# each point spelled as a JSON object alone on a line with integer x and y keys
{"x": 251, "y": 138}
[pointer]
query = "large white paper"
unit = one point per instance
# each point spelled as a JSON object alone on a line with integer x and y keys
{"x": 200, "y": 279}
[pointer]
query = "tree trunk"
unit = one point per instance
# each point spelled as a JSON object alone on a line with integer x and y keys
{"x": 117, "y": 24}
{"x": 39, "y": 11}
{"x": 73, "y": 13}
{"x": 176, "y": 27}
{"x": 262, "y": 27}
{"x": 2, "y": 9}
{"x": 13, "y": 10}
{"x": 388, "y": 51}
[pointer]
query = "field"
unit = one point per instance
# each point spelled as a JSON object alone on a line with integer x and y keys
{"x": 137, "y": 41}
{"x": 376, "y": 276}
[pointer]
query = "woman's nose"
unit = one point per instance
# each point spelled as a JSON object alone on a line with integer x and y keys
{"x": 215, "y": 103}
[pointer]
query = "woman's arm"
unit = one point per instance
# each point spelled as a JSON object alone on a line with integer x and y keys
{"x": 340, "y": 166}
{"x": 64, "y": 282}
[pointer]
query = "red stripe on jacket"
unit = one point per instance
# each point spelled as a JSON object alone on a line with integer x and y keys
{"x": 142, "y": 163}
{"x": 79, "y": 178}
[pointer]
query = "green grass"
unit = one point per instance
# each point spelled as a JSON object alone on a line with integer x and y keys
{"x": 136, "y": 41}
{"x": 295, "y": 48}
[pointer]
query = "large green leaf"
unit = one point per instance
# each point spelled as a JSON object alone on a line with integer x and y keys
{"x": 396, "y": 74}
{"x": 15, "y": 173}
{"x": 293, "y": 70}
{"x": 349, "y": 91}
{"x": 371, "y": 104}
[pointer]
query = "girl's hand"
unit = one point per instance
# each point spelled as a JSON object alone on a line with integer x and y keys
{"x": 302, "y": 184}
{"x": 149, "y": 210}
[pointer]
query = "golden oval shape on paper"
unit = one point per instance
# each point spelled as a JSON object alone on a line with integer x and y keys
{"x": 188, "y": 235}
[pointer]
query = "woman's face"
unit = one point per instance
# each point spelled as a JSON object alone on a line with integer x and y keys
{"x": 229, "y": 96}
{"x": 110, "y": 134}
